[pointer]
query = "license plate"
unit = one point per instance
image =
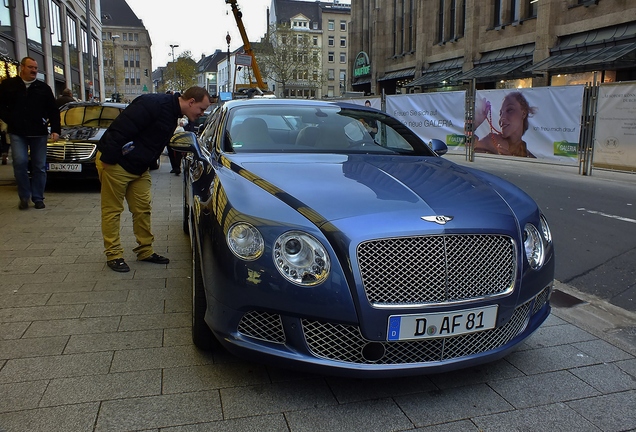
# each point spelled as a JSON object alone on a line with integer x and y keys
{"x": 441, "y": 324}
{"x": 65, "y": 167}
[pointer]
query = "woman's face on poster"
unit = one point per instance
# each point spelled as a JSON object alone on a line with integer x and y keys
{"x": 511, "y": 118}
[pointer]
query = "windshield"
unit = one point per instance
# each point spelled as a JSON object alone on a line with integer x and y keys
{"x": 89, "y": 116}
{"x": 318, "y": 129}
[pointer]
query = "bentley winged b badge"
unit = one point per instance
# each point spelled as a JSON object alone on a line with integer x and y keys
{"x": 438, "y": 219}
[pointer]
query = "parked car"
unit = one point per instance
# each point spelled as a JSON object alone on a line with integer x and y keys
{"x": 83, "y": 124}
{"x": 316, "y": 246}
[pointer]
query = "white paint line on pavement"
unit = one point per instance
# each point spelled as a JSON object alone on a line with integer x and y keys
{"x": 624, "y": 219}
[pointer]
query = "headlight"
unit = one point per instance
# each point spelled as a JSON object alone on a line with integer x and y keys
{"x": 547, "y": 235}
{"x": 534, "y": 246}
{"x": 301, "y": 259}
{"x": 245, "y": 241}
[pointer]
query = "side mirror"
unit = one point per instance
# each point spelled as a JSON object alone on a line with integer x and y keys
{"x": 185, "y": 142}
{"x": 438, "y": 146}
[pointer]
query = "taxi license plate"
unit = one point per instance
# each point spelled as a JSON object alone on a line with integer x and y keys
{"x": 441, "y": 324}
{"x": 65, "y": 167}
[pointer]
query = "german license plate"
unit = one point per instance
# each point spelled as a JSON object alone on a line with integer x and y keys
{"x": 65, "y": 167}
{"x": 441, "y": 324}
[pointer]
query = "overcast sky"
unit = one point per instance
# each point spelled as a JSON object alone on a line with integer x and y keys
{"x": 198, "y": 26}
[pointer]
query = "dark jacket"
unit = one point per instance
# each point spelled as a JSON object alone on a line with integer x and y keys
{"x": 28, "y": 112}
{"x": 64, "y": 100}
{"x": 148, "y": 123}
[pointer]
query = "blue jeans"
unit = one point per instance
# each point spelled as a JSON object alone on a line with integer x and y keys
{"x": 20, "y": 147}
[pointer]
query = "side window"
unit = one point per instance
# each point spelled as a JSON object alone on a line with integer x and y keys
{"x": 210, "y": 132}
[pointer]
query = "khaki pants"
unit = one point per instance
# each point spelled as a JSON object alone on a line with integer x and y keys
{"x": 117, "y": 184}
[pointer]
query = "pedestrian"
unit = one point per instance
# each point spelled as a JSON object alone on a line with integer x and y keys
{"x": 127, "y": 149}
{"x": 4, "y": 142}
{"x": 28, "y": 107}
{"x": 66, "y": 97}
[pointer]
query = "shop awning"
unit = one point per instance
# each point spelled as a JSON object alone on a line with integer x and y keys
{"x": 493, "y": 70}
{"x": 398, "y": 74}
{"x": 589, "y": 57}
{"x": 438, "y": 73}
{"x": 362, "y": 81}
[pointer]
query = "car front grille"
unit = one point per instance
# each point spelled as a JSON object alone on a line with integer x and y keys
{"x": 70, "y": 152}
{"x": 436, "y": 269}
{"x": 346, "y": 344}
{"x": 262, "y": 325}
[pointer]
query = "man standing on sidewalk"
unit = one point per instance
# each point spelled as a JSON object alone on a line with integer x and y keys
{"x": 131, "y": 144}
{"x": 27, "y": 106}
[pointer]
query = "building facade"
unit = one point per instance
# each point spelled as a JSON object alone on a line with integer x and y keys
{"x": 127, "y": 57}
{"x": 405, "y": 46}
{"x": 326, "y": 27}
{"x": 56, "y": 34}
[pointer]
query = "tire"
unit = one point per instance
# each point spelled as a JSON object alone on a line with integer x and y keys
{"x": 202, "y": 336}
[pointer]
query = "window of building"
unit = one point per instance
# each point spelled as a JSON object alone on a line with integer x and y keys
{"x": 331, "y": 57}
{"x": 5, "y": 18}
{"x": 343, "y": 41}
{"x": 343, "y": 25}
{"x": 71, "y": 28}
{"x": 315, "y": 26}
{"x": 136, "y": 58}
{"x": 331, "y": 74}
{"x": 330, "y": 91}
{"x": 331, "y": 25}
{"x": 343, "y": 57}
{"x": 130, "y": 37}
{"x": 56, "y": 31}
{"x": 136, "y": 37}
{"x": 531, "y": 8}
{"x": 124, "y": 36}
{"x": 125, "y": 58}
{"x": 315, "y": 40}
{"x": 32, "y": 15}
{"x": 332, "y": 41}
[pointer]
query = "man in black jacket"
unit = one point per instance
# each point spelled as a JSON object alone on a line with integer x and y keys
{"x": 27, "y": 106}
{"x": 126, "y": 151}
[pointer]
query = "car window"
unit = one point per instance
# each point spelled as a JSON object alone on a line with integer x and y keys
{"x": 89, "y": 116}
{"x": 318, "y": 128}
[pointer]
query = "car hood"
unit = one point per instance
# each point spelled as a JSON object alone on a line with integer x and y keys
{"x": 399, "y": 189}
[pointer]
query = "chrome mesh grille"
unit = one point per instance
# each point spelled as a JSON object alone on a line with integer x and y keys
{"x": 345, "y": 343}
{"x": 436, "y": 269}
{"x": 70, "y": 152}
{"x": 262, "y": 325}
{"x": 540, "y": 300}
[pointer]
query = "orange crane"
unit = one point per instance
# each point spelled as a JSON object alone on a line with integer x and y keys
{"x": 238, "y": 16}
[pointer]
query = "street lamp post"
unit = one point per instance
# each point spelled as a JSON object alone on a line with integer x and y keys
{"x": 228, "y": 39}
{"x": 114, "y": 38}
{"x": 174, "y": 64}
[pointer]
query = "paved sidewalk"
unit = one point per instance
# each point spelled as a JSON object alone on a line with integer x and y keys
{"x": 83, "y": 348}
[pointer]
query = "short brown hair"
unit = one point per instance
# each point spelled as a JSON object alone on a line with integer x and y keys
{"x": 196, "y": 93}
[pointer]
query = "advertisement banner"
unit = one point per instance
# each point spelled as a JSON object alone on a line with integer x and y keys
{"x": 542, "y": 123}
{"x": 615, "y": 134}
{"x": 432, "y": 116}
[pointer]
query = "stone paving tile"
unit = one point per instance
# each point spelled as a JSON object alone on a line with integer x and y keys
{"x": 40, "y": 313}
{"x": 351, "y": 390}
{"x": 550, "y": 359}
{"x": 24, "y": 269}
{"x": 95, "y": 388}
{"x": 628, "y": 366}
{"x": 440, "y": 406}
{"x": 13, "y": 330}
{"x": 59, "y": 327}
{"x": 158, "y": 358}
{"x": 158, "y": 411}
{"x": 456, "y": 426}
{"x": 21, "y": 396}
{"x": 557, "y": 335}
{"x": 177, "y": 336}
{"x": 123, "y": 309}
{"x": 497, "y": 370}
{"x": 606, "y": 378}
{"x": 68, "y": 268}
{"x": 542, "y": 389}
{"x": 602, "y": 350}
{"x": 265, "y": 423}
{"x": 553, "y": 418}
{"x": 129, "y": 285}
{"x": 60, "y": 366}
{"x": 57, "y": 287}
{"x": 610, "y": 413}
{"x": 146, "y": 322}
{"x": 35, "y": 278}
{"x": 114, "y": 341}
{"x": 213, "y": 377}
{"x": 106, "y": 274}
{"x": 75, "y": 418}
{"x": 376, "y": 415}
{"x": 18, "y": 299}
{"x": 153, "y": 294}
{"x": 21, "y": 348}
{"x": 276, "y": 397}
{"x": 88, "y": 297}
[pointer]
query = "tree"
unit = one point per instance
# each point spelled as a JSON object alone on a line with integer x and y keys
{"x": 290, "y": 59}
{"x": 181, "y": 74}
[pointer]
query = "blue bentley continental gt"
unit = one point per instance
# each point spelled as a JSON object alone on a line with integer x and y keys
{"x": 329, "y": 237}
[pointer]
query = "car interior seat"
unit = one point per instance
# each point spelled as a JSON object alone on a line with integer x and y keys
{"x": 250, "y": 134}
{"x": 332, "y": 137}
{"x": 307, "y": 136}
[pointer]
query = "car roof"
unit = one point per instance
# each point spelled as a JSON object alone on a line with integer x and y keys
{"x": 87, "y": 103}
